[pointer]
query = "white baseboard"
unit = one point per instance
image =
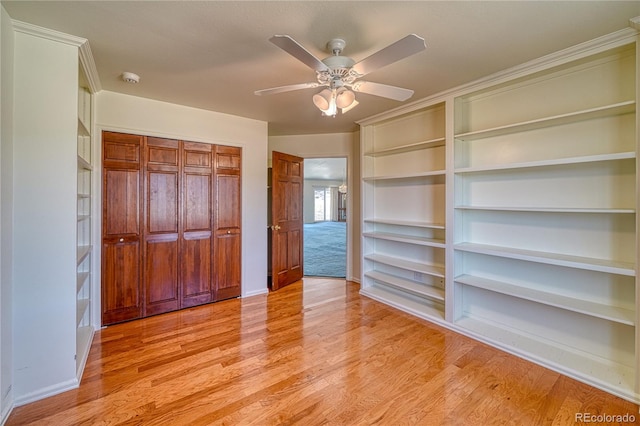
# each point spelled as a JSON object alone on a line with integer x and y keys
{"x": 46, "y": 392}
{"x": 255, "y": 292}
{"x": 6, "y": 412}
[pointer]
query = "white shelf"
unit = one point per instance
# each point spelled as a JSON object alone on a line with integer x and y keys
{"x": 549, "y": 209}
{"x": 547, "y": 163}
{"x": 431, "y": 174}
{"x": 83, "y": 130}
{"x": 611, "y": 375}
{"x": 84, "y": 164}
{"x": 403, "y": 303}
{"x": 556, "y": 120}
{"x": 599, "y": 310}
{"x": 578, "y": 262}
{"x": 83, "y": 217}
{"x": 81, "y": 279}
{"x": 83, "y": 252}
{"x": 417, "y": 288}
{"x": 421, "y": 241}
{"x": 410, "y": 223}
{"x": 423, "y": 268}
{"x": 434, "y": 143}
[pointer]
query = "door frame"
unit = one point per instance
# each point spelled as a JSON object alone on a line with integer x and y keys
{"x": 353, "y": 229}
{"x": 349, "y": 207}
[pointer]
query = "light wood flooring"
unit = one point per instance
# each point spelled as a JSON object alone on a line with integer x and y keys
{"x": 313, "y": 353}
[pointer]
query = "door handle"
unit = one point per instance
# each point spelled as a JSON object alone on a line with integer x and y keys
{"x": 275, "y": 227}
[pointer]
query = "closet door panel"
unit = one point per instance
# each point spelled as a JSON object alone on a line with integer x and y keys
{"x": 162, "y": 202}
{"x": 197, "y": 209}
{"x": 161, "y": 275}
{"x": 120, "y": 278}
{"x": 197, "y": 222}
{"x": 121, "y": 228}
{"x": 121, "y": 150}
{"x": 162, "y": 214}
{"x": 120, "y": 202}
{"x": 227, "y": 249}
{"x": 227, "y": 265}
{"x": 228, "y": 202}
{"x": 196, "y": 273}
{"x": 197, "y": 155}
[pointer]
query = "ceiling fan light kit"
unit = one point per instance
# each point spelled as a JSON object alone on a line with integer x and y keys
{"x": 339, "y": 75}
{"x": 323, "y": 99}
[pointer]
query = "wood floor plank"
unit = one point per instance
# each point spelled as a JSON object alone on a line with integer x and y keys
{"x": 312, "y": 353}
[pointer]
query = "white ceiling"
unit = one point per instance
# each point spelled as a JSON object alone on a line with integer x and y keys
{"x": 325, "y": 169}
{"x": 215, "y": 54}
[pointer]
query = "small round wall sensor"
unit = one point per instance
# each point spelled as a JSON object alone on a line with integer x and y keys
{"x": 129, "y": 77}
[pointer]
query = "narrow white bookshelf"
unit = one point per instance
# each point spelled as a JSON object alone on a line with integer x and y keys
{"x": 85, "y": 330}
{"x": 404, "y": 183}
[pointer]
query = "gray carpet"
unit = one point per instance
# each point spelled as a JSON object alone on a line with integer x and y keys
{"x": 325, "y": 253}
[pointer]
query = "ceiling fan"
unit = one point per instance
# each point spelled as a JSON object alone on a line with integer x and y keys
{"x": 340, "y": 75}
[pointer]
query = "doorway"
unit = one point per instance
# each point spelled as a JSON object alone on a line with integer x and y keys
{"x": 325, "y": 217}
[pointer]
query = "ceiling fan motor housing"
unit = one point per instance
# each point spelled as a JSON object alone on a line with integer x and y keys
{"x": 339, "y": 69}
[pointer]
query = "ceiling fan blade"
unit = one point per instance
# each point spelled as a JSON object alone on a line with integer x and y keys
{"x": 296, "y": 50}
{"x": 282, "y": 89}
{"x": 401, "y": 49}
{"x": 383, "y": 90}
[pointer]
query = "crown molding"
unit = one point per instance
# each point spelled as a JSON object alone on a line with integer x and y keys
{"x": 53, "y": 35}
{"x": 84, "y": 50}
{"x": 89, "y": 66}
{"x": 599, "y": 44}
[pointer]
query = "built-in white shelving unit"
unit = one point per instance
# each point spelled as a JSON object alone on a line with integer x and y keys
{"x": 404, "y": 183}
{"x": 511, "y": 204}
{"x": 85, "y": 330}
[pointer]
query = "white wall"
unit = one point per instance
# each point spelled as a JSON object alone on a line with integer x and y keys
{"x": 6, "y": 207}
{"x": 327, "y": 146}
{"x": 44, "y": 208}
{"x": 132, "y": 114}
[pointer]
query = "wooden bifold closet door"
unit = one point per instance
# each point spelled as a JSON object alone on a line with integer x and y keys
{"x": 171, "y": 225}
